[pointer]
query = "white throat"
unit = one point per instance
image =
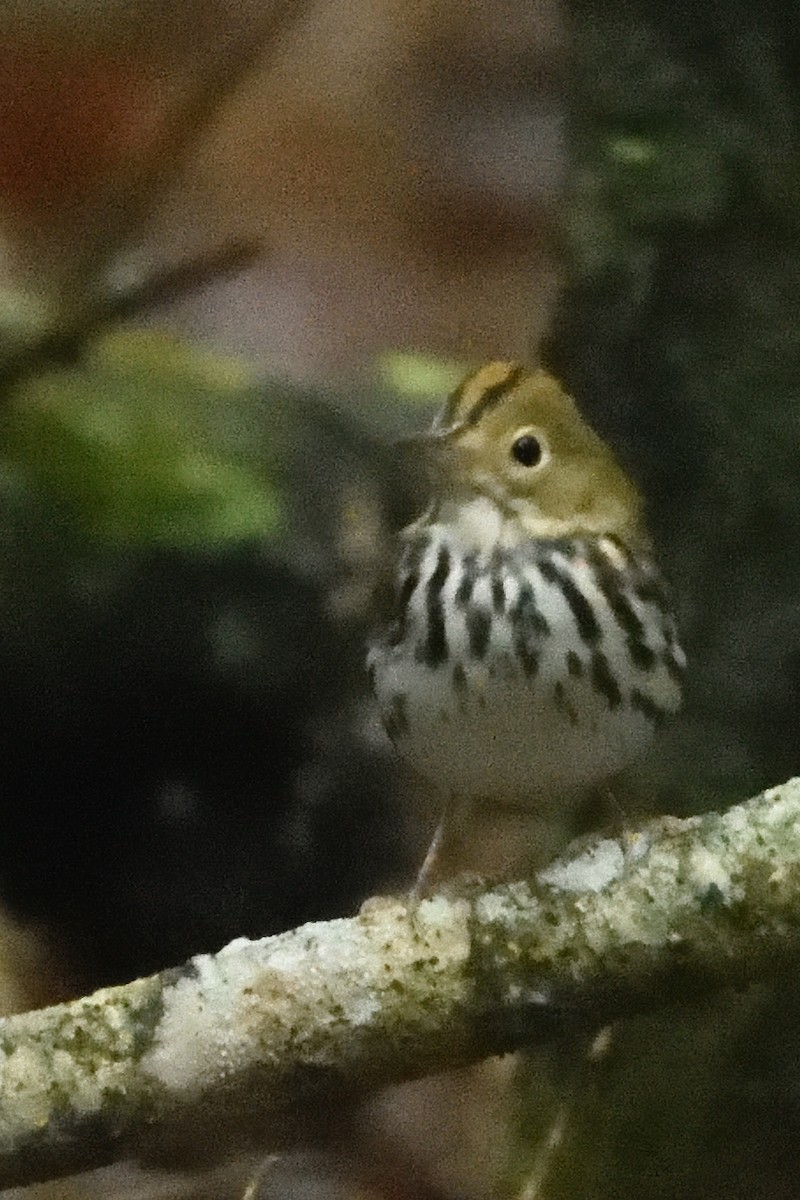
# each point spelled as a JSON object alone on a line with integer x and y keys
{"x": 481, "y": 524}
{"x": 478, "y": 522}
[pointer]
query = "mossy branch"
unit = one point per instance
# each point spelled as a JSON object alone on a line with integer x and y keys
{"x": 242, "y": 1046}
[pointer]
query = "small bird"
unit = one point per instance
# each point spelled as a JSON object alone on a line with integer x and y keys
{"x": 532, "y": 651}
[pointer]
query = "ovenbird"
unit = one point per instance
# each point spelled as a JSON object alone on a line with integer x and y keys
{"x": 532, "y": 651}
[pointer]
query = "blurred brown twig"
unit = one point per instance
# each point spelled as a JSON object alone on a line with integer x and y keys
{"x": 63, "y": 346}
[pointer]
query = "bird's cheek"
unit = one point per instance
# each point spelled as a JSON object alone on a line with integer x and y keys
{"x": 549, "y": 495}
{"x": 489, "y": 484}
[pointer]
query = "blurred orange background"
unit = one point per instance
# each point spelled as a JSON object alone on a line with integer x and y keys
{"x": 402, "y": 162}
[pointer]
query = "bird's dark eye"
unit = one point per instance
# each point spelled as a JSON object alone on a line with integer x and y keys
{"x": 527, "y": 450}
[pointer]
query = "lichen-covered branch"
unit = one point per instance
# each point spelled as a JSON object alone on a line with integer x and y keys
{"x": 242, "y": 1046}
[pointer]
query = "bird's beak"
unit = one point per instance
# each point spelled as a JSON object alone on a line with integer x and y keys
{"x": 430, "y": 451}
{"x": 432, "y": 441}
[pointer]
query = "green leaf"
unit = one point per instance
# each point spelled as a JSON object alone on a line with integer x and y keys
{"x": 419, "y": 377}
{"x": 138, "y": 442}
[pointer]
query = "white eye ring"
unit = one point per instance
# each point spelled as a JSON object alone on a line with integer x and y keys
{"x": 529, "y": 449}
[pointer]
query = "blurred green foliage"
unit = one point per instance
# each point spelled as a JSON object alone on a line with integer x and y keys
{"x": 418, "y": 377}
{"x": 140, "y": 442}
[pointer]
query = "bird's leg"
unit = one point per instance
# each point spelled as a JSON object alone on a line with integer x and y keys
{"x": 483, "y": 838}
{"x": 434, "y": 852}
{"x": 617, "y": 817}
{"x": 603, "y": 810}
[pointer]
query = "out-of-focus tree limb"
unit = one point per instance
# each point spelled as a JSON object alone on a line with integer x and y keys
{"x": 63, "y": 345}
{"x": 243, "y": 1046}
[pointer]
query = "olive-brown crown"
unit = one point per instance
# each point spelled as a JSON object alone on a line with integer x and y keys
{"x": 516, "y": 437}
